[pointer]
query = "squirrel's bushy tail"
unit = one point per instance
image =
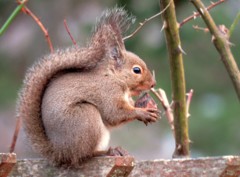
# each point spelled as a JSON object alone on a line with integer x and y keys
{"x": 36, "y": 81}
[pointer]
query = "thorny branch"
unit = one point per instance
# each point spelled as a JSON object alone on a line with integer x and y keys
{"x": 196, "y": 14}
{"x": 162, "y": 97}
{"x": 222, "y": 28}
{"x": 173, "y": 41}
{"x": 145, "y": 21}
{"x": 220, "y": 38}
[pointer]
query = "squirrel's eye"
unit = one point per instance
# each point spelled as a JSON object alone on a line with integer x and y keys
{"x": 137, "y": 70}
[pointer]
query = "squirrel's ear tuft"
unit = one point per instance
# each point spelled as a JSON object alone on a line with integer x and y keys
{"x": 111, "y": 27}
{"x": 117, "y": 18}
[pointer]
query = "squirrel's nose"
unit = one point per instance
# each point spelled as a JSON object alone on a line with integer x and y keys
{"x": 153, "y": 84}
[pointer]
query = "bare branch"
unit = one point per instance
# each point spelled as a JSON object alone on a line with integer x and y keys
{"x": 145, "y": 21}
{"x": 161, "y": 95}
{"x": 196, "y": 27}
{"x": 68, "y": 31}
{"x": 37, "y": 20}
{"x": 15, "y": 135}
{"x": 195, "y": 15}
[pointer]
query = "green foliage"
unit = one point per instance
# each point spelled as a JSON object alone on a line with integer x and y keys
{"x": 234, "y": 24}
{"x": 10, "y": 18}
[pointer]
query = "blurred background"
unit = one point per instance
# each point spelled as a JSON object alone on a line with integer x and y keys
{"x": 214, "y": 125}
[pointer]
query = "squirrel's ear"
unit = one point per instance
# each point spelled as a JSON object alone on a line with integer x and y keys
{"x": 115, "y": 53}
{"x": 107, "y": 37}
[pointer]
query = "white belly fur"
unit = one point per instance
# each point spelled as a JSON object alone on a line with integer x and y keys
{"x": 104, "y": 141}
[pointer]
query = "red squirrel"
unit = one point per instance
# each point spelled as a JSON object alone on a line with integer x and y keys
{"x": 71, "y": 98}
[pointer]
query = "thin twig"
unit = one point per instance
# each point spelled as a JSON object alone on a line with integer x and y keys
{"x": 12, "y": 16}
{"x": 145, "y": 21}
{"x": 188, "y": 101}
{"x": 198, "y": 14}
{"x": 68, "y": 31}
{"x": 15, "y": 135}
{"x": 161, "y": 95}
{"x": 222, "y": 28}
{"x": 200, "y": 28}
{"x": 37, "y": 20}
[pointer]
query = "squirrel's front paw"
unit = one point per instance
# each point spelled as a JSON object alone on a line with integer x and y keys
{"x": 147, "y": 115}
{"x": 147, "y": 109}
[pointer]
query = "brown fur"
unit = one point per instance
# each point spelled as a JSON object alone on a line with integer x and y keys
{"x": 71, "y": 98}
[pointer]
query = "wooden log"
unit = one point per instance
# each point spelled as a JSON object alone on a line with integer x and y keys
{"x": 7, "y": 161}
{"x": 225, "y": 166}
